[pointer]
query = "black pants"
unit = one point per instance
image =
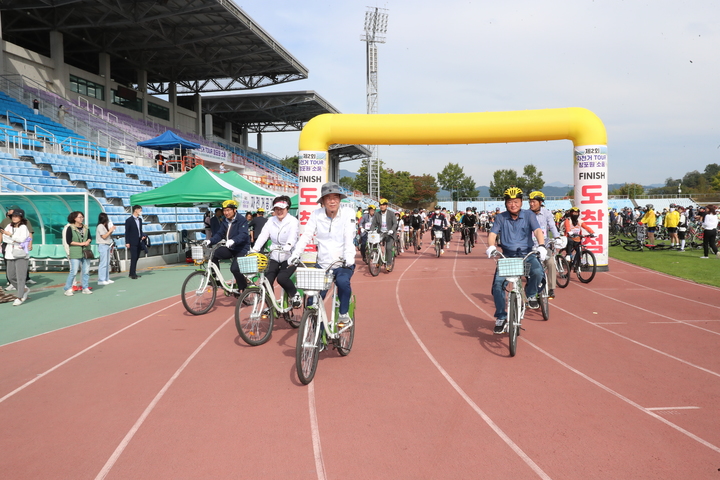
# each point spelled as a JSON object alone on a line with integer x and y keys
{"x": 710, "y": 241}
{"x": 223, "y": 253}
{"x": 282, "y": 272}
{"x": 134, "y": 256}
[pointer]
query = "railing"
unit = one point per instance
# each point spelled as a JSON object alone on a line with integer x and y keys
{"x": 7, "y": 118}
{"x": 16, "y": 182}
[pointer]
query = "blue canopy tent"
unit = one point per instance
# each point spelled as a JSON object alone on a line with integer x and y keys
{"x": 168, "y": 141}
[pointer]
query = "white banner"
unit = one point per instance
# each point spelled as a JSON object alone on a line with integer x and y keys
{"x": 591, "y": 197}
{"x": 312, "y": 173}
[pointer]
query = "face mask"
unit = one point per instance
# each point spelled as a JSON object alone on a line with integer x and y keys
{"x": 437, "y": 212}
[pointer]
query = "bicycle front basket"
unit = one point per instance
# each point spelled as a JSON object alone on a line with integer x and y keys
{"x": 248, "y": 265}
{"x": 373, "y": 237}
{"x": 438, "y": 233}
{"x": 511, "y": 267}
{"x": 312, "y": 279}
{"x": 197, "y": 253}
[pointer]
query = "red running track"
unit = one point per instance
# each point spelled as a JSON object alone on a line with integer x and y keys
{"x": 623, "y": 381}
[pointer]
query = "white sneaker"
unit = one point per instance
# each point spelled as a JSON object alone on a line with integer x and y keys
{"x": 69, "y": 293}
{"x": 18, "y": 301}
{"x": 25, "y": 294}
{"x": 9, "y": 288}
{"x": 442, "y": 252}
{"x": 704, "y": 257}
{"x": 344, "y": 320}
{"x": 87, "y": 291}
{"x": 110, "y": 281}
{"x": 31, "y": 282}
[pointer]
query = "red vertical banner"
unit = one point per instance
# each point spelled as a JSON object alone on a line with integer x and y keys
{"x": 591, "y": 196}
{"x": 313, "y": 171}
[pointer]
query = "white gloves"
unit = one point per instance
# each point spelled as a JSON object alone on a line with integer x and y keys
{"x": 230, "y": 243}
{"x": 389, "y": 232}
{"x": 543, "y": 253}
{"x": 293, "y": 260}
{"x": 206, "y": 243}
{"x": 287, "y": 248}
{"x": 490, "y": 251}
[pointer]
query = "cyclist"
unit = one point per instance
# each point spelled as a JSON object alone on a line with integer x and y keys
{"x": 385, "y": 222}
{"x": 400, "y": 217}
{"x": 438, "y": 221}
{"x": 334, "y": 230}
{"x": 234, "y": 230}
{"x": 416, "y": 226}
{"x": 516, "y": 228}
{"x": 573, "y": 227}
{"x": 282, "y": 230}
{"x": 672, "y": 220}
{"x": 650, "y": 220}
{"x": 547, "y": 224}
{"x": 469, "y": 220}
{"x": 364, "y": 227}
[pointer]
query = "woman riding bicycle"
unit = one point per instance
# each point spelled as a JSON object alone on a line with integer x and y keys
{"x": 438, "y": 221}
{"x": 282, "y": 230}
{"x": 334, "y": 231}
{"x": 573, "y": 230}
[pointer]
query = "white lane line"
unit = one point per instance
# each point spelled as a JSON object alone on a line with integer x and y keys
{"x": 662, "y": 291}
{"x": 607, "y": 389}
{"x": 317, "y": 447}
{"x": 125, "y": 441}
{"x": 647, "y": 270}
{"x": 626, "y": 400}
{"x": 618, "y": 323}
{"x": 654, "y": 409}
{"x": 649, "y": 311}
{"x": 638, "y": 343}
{"x": 498, "y": 431}
{"x": 27, "y": 384}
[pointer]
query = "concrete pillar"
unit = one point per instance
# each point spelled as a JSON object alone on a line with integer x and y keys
{"x": 105, "y": 72}
{"x": 172, "y": 98}
{"x": 244, "y": 136}
{"x": 2, "y": 49}
{"x": 57, "y": 53}
{"x": 208, "y": 126}
{"x": 227, "y": 133}
{"x": 198, "y": 112}
{"x": 259, "y": 142}
{"x": 142, "y": 86}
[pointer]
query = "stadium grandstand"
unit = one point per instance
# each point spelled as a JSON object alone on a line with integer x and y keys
{"x": 81, "y": 83}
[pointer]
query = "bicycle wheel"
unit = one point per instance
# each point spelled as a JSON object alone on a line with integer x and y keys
{"x": 373, "y": 263}
{"x": 467, "y": 244}
{"x": 347, "y": 336}
{"x": 544, "y": 300}
{"x": 254, "y": 317}
{"x": 437, "y": 247}
{"x": 198, "y": 292}
{"x": 114, "y": 261}
{"x": 632, "y": 247}
{"x": 588, "y": 267}
{"x": 563, "y": 271}
{"x": 307, "y": 348}
{"x": 513, "y": 322}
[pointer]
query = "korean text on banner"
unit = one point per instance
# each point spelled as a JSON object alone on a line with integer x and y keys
{"x": 591, "y": 196}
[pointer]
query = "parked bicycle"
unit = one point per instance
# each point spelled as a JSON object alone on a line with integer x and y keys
{"x": 318, "y": 331}
{"x": 199, "y": 290}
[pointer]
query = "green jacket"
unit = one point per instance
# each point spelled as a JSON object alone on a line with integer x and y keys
{"x": 78, "y": 236}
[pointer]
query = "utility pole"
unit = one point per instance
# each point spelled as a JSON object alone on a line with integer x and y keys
{"x": 375, "y": 29}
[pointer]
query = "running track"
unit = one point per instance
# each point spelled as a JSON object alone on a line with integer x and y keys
{"x": 622, "y": 382}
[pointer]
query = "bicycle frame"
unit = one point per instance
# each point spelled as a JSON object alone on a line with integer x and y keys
{"x": 210, "y": 268}
{"x": 326, "y": 327}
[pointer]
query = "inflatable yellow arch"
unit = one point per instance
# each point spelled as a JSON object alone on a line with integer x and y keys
{"x": 579, "y": 125}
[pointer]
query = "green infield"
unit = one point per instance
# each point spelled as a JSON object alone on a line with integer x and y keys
{"x": 687, "y": 264}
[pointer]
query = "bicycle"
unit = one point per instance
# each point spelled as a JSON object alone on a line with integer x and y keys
{"x": 199, "y": 290}
{"x": 467, "y": 234}
{"x": 257, "y": 309}
{"x": 317, "y": 331}
{"x": 438, "y": 235}
{"x": 512, "y": 269}
{"x": 638, "y": 244}
{"x": 562, "y": 278}
{"x": 417, "y": 240}
{"x": 584, "y": 265}
{"x": 114, "y": 259}
{"x": 376, "y": 251}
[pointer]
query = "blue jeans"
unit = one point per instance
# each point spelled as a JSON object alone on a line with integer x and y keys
{"x": 531, "y": 289}
{"x": 104, "y": 265}
{"x": 344, "y": 289}
{"x": 75, "y": 264}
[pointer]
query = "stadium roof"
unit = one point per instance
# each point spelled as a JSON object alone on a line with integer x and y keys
{"x": 201, "y": 45}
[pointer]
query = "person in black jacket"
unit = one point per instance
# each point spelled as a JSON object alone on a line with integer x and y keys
{"x": 234, "y": 230}
{"x": 134, "y": 238}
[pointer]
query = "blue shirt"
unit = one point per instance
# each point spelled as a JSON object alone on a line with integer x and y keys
{"x": 516, "y": 236}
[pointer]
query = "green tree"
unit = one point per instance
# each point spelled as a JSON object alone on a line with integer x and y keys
{"x": 630, "y": 189}
{"x": 502, "y": 180}
{"x": 397, "y": 187}
{"x": 347, "y": 182}
{"x": 291, "y": 163}
{"x": 425, "y": 190}
{"x": 454, "y": 179}
{"x": 531, "y": 179}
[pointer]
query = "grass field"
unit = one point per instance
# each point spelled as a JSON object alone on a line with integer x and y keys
{"x": 687, "y": 264}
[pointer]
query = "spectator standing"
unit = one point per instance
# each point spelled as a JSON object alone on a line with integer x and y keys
{"x": 77, "y": 238}
{"x": 650, "y": 220}
{"x": 710, "y": 226}
{"x": 223, "y": 169}
{"x": 133, "y": 238}
{"x": 61, "y": 115}
{"x": 5, "y": 222}
{"x": 161, "y": 162}
{"x": 215, "y": 221}
{"x": 36, "y": 106}
{"x": 16, "y": 237}
{"x": 103, "y": 238}
{"x": 682, "y": 227}
{"x": 670, "y": 222}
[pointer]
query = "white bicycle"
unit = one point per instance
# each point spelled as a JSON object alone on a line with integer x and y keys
{"x": 199, "y": 290}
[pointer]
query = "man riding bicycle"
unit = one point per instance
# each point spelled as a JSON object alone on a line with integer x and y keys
{"x": 364, "y": 228}
{"x": 416, "y": 226}
{"x": 438, "y": 221}
{"x": 282, "y": 230}
{"x": 546, "y": 220}
{"x": 469, "y": 220}
{"x": 385, "y": 222}
{"x": 334, "y": 231}
{"x": 234, "y": 230}
{"x": 516, "y": 228}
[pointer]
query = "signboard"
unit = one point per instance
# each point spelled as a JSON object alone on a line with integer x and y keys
{"x": 591, "y": 197}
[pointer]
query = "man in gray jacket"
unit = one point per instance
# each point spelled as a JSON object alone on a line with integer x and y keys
{"x": 385, "y": 222}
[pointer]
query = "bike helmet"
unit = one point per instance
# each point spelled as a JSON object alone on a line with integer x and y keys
{"x": 371, "y": 207}
{"x": 513, "y": 192}
{"x": 260, "y": 210}
{"x": 383, "y": 201}
{"x": 649, "y": 206}
{"x": 416, "y": 211}
{"x": 262, "y": 261}
{"x": 437, "y": 207}
{"x": 574, "y": 209}
{"x": 537, "y": 195}
{"x": 230, "y": 204}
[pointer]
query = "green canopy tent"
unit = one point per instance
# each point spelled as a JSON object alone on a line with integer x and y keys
{"x": 254, "y": 196}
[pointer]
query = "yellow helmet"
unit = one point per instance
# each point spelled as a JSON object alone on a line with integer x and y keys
{"x": 372, "y": 206}
{"x": 513, "y": 192}
{"x": 230, "y": 204}
{"x": 383, "y": 201}
{"x": 262, "y": 261}
{"x": 537, "y": 195}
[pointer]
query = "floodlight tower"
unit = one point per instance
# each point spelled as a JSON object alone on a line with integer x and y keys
{"x": 375, "y": 29}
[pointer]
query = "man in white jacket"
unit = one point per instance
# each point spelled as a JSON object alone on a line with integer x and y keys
{"x": 334, "y": 231}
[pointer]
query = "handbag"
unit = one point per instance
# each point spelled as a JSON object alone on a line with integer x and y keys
{"x": 87, "y": 253}
{"x": 19, "y": 253}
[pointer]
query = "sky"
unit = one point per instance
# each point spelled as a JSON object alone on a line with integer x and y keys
{"x": 650, "y": 70}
